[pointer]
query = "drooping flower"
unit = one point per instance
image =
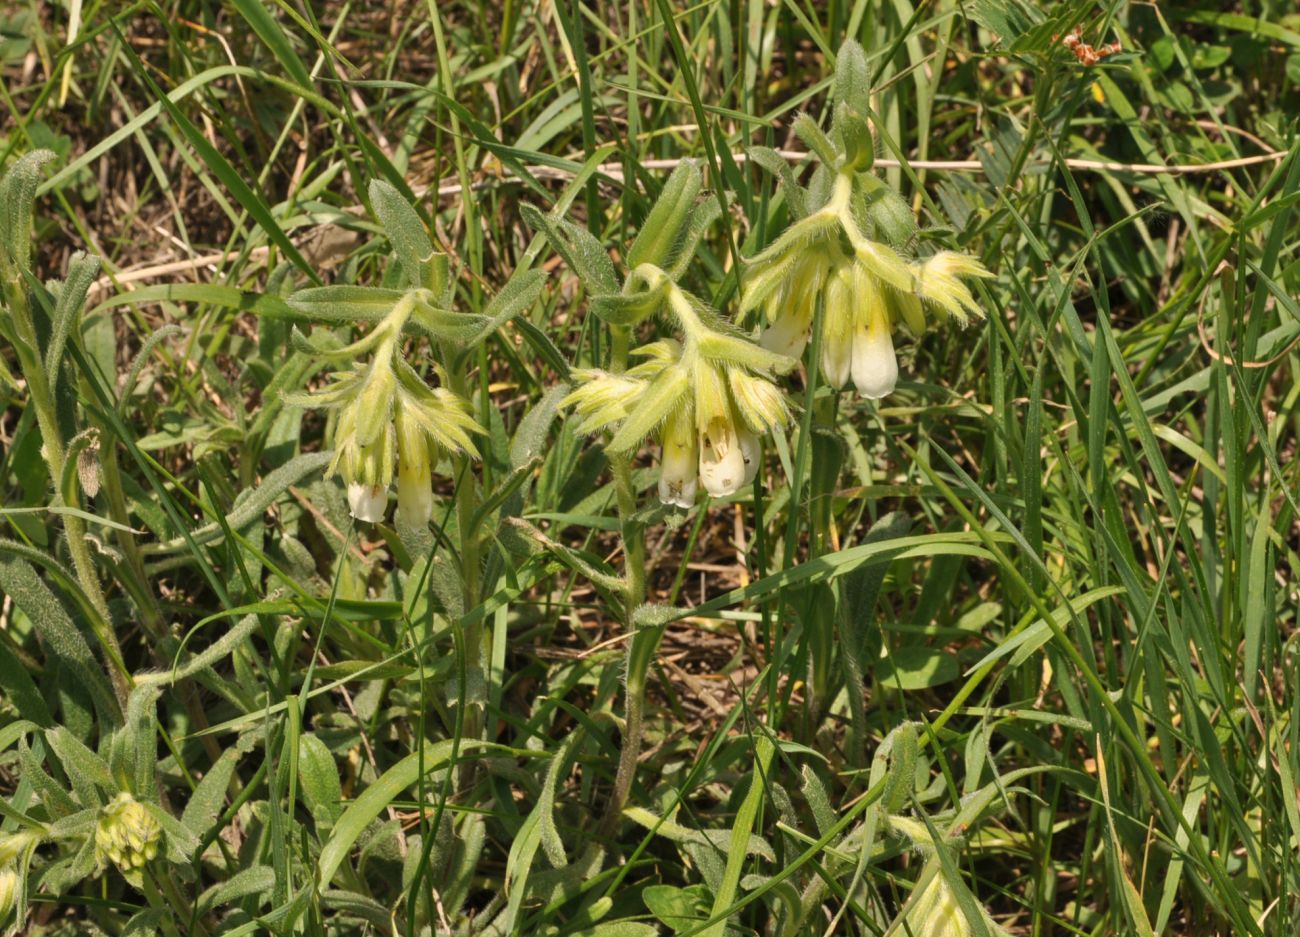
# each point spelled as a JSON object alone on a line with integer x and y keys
{"x": 390, "y": 421}
{"x": 708, "y": 398}
{"x": 847, "y": 255}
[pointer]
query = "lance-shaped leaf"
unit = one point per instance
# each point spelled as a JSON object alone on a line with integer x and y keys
{"x": 662, "y": 227}
{"x": 579, "y": 249}
{"x": 82, "y": 270}
{"x": 880, "y": 206}
{"x": 852, "y": 79}
{"x": 17, "y": 194}
{"x": 444, "y": 324}
{"x": 660, "y": 398}
{"x": 698, "y": 221}
{"x": 322, "y": 344}
{"x": 424, "y": 267}
{"x": 629, "y": 309}
{"x": 855, "y": 134}
{"x": 345, "y": 303}
{"x": 806, "y": 129}
{"x": 514, "y": 299}
{"x": 807, "y": 231}
{"x": 772, "y": 161}
{"x": 730, "y": 349}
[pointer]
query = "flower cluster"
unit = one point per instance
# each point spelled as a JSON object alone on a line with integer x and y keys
{"x": 390, "y": 421}
{"x": 128, "y": 835}
{"x": 709, "y": 397}
{"x": 866, "y": 288}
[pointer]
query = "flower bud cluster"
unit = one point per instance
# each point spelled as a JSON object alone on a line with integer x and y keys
{"x": 128, "y": 835}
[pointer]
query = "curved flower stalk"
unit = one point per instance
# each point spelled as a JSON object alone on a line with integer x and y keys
{"x": 709, "y": 398}
{"x": 850, "y": 253}
{"x": 390, "y": 422}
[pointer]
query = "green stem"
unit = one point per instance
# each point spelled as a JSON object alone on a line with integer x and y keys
{"x": 55, "y": 452}
{"x": 475, "y": 703}
{"x": 632, "y": 533}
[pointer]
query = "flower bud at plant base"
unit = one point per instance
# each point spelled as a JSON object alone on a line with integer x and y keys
{"x": 679, "y": 469}
{"x": 128, "y": 835}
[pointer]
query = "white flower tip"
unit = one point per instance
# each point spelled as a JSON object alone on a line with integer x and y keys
{"x": 723, "y": 475}
{"x": 367, "y": 502}
{"x": 837, "y": 362}
{"x": 414, "y": 502}
{"x": 677, "y": 492}
{"x": 875, "y": 366}
{"x": 785, "y": 337}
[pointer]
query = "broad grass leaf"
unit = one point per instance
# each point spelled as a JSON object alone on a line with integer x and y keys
{"x": 916, "y": 668}
{"x": 360, "y": 812}
{"x": 680, "y": 909}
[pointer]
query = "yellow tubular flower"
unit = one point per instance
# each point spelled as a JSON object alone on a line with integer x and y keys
{"x": 790, "y": 310}
{"x": 415, "y": 459}
{"x": 874, "y": 365}
{"x": 837, "y": 328}
{"x": 679, "y": 468}
{"x": 751, "y": 452}
{"x": 935, "y": 911}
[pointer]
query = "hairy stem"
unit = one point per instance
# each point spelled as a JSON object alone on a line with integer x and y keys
{"x": 55, "y": 453}
{"x": 632, "y": 533}
{"x": 474, "y": 689}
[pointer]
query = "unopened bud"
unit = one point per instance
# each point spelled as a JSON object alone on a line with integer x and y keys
{"x": 88, "y": 469}
{"x": 128, "y": 836}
